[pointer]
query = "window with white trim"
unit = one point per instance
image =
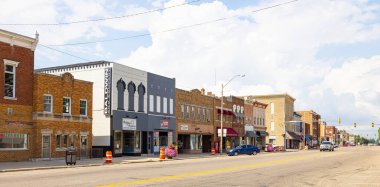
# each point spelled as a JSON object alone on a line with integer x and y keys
{"x": 13, "y": 141}
{"x": 158, "y": 104}
{"x": 151, "y": 103}
{"x": 188, "y": 112}
{"x": 171, "y": 101}
{"x": 182, "y": 111}
{"x": 83, "y": 107}
{"x": 58, "y": 141}
{"x": 10, "y": 78}
{"x": 66, "y": 105}
{"x": 165, "y": 105}
{"x": 48, "y": 103}
{"x": 203, "y": 114}
{"x": 272, "y": 126}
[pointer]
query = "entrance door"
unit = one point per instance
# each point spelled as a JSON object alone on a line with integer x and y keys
{"x": 83, "y": 146}
{"x": 145, "y": 142}
{"x": 46, "y": 146}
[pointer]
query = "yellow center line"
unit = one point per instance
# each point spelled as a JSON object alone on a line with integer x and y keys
{"x": 213, "y": 171}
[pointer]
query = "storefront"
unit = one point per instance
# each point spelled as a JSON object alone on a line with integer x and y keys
{"x": 293, "y": 140}
{"x": 249, "y": 135}
{"x": 230, "y": 138}
{"x": 194, "y": 138}
{"x": 260, "y": 139}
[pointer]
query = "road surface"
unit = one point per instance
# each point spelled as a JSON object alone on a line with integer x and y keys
{"x": 351, "y": 166}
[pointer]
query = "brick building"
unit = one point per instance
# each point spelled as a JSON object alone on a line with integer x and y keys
{"x": 62, "y": 112}
{"x": 233, "y": 122}
{"x": 332, "y": 134}
{"x": 195, "y": 119}
{"x": 16, "y": 99}
{"x": 255, "y": 116}
{"x": 278, "y": 113}
{"x": 312, "y": 121}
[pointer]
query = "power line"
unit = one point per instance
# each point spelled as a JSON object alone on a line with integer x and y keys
{"x": 63, "y": 52}
{"x": 173, "y": 29}
{"x": 99, "y": 19}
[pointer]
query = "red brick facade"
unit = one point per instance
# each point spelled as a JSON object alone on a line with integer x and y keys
{"x": 16, "y": 113}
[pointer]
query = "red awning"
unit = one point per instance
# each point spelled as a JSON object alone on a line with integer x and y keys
{"x": 230, "y": 132}
{"x": 226, "y": 112}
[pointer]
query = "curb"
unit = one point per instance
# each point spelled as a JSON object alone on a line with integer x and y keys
{"x": 50, "y": 167}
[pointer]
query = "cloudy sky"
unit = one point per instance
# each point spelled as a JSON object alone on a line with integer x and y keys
{"x": 324, "y": 53}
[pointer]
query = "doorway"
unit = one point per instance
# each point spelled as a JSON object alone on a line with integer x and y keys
{"x": 83, "y": 146}
{"x": 46, "y": 151}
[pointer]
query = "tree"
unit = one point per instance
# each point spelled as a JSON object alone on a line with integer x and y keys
{"x": 378, "y": 137}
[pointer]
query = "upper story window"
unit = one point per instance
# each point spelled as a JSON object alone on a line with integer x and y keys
{"x": 193, "y": 112}
{"x": 48, "y": 103}
{"x": 182, "y": 111}
{"x": 10, "y": 78}
{"x": 199, "y": 114}
{"x": 83, "y": 107}
{"x": 66, "y": 105}
{"x": 171, "y": 106}
{"x": 151, "y": 103}
{"x": 165, "y": 100}
{"x": 203, "y": 114}
{"x": 188, "y": 111}
{"x": 158, "y": 104}
{"x": 208, "y": 115}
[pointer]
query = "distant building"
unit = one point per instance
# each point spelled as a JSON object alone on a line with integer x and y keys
{"x": 255, "y": 122}
{"x": 312, "y": 121}
{"x": 279, "y": 111}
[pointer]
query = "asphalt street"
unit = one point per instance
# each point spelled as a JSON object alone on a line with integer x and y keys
{"x": 351, "y": 166}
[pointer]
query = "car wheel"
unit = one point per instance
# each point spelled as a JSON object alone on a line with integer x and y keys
{"x": 254, "y": 153}
{"x": 236, "y": 153}
{"x": 320, "y": 150}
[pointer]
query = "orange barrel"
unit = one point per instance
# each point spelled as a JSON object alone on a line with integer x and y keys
{"x": 108, "y": 157}
{"x": 162, "y": 153}
{"x": 213, "y": 151}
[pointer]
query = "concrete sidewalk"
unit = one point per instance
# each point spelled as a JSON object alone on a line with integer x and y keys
{"x": 60, "y": 163}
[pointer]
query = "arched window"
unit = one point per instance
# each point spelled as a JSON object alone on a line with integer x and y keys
{"x": 120, "y": 94}
{"x": 141, "y": 92}
{"x": 131, "y": 97}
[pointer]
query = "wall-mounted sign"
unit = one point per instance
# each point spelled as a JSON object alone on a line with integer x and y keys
{"x": 224, "y": 132}
{"x": 107, "y": 91}
{"x": 248, "y": 128}
{"x": 129, "y": 124}
{"x": 164, "y": 124}
{"x": 184, "y": 127}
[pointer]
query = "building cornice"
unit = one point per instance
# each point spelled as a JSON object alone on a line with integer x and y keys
{"x": 18, "y": 40}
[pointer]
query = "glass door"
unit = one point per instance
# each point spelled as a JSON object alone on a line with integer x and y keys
{"x": 83, "y": 146}
{"x": 46, "y": 146}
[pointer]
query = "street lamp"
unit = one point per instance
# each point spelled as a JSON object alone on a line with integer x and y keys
{"x": 221, "y": 112}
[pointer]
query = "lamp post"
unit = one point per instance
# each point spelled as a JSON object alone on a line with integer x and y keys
{"x": 221, "y": 112}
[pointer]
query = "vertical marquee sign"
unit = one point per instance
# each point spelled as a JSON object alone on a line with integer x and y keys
{"x": 107, "y": 91}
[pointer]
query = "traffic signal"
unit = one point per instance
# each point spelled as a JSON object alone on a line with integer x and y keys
{"x": 355, "y": 125}
{"x": 373, "y": 125}
{"x": 339, "y": 120}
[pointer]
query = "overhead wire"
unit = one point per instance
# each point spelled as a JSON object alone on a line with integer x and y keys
{"x": 99, "y": 19}
{"x": 171, "y": 30}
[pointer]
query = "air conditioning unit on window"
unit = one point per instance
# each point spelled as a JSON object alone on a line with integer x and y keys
{"x": 10, "y": 111}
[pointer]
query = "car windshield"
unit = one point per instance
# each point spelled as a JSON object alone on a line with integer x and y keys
{"x": 326, "y": 143}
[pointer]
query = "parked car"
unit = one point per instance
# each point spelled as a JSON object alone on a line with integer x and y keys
{"x": 326, "y": 146}
{"x": 244, "y": 149}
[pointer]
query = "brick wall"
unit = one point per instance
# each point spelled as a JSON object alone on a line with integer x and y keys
{"x": 56, "y": 123}
{"x": 20, "y": 118}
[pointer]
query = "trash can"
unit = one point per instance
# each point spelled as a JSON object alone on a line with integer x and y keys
{"x": 71, "y": 157}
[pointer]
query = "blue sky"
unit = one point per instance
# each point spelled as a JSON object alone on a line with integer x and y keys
{"x": 324, "y": 53}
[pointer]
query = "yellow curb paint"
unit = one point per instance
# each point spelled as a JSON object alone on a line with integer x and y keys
{"x": 198, "y": 173}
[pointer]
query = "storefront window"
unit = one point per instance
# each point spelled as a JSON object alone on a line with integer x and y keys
{"x": 131, "y": 142}
{"x": 117, "y": 142}
{"x": 13, "y": 141}
{"x": 195, "y": 142}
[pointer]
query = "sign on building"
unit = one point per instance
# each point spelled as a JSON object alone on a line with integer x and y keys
{"x": 164, "y": 124}
{"x": 184, "y": 127}
{"x": 129, "y": 124}
{"x": 107, "y": 91}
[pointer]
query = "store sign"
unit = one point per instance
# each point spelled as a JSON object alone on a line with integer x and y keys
{"x": 107, "y": 91}
{"x": 129, "y": 124}
{"x": 248, "y": 128}
{"x": 164, "y": 124}
{"x": 184, "y": 127}
{"x": 224, "y": 132}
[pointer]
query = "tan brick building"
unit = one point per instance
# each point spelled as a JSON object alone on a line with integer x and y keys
{"x": 332, "y": 134}
{"x": 62, "y": 113}
{"x": 312, "y": 121}
{"x": 16, "y": 99}
{"x": 278, "y": 112}
{"x": 195, "y": 119}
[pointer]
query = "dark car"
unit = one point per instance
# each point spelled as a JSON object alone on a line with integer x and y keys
{"x": 244, "y": 149}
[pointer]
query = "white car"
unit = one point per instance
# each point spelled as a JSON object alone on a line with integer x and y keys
{"x": 326, "y": 146}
